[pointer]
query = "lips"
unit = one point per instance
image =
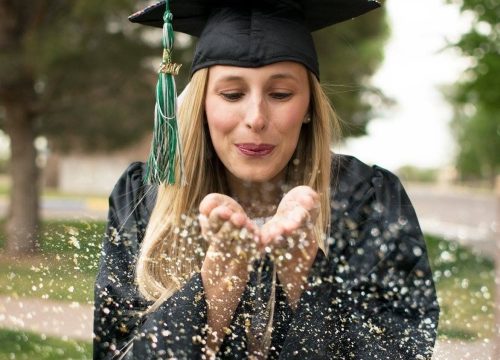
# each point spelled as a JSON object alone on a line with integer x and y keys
{"x": 255, "y": 150}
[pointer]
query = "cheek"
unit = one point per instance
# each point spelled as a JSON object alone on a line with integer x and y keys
{"x": 220, "y": 121}
{"x": 290, "y": 122}
{"x": 292, "y": 138}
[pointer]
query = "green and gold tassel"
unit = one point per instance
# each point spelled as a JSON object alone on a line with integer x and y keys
{"x": 166, "y": 145}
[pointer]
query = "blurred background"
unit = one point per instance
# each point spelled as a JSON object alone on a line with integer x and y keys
{"x": 416, "y": 87}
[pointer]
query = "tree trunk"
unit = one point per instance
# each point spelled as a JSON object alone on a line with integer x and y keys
{"x": 23, "y": 217}
{"x": 18, "y": 98}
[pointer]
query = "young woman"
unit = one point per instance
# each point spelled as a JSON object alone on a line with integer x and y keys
{"x": 277, "y": 248}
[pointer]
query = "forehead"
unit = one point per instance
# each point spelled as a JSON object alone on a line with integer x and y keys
{"x": 280, "y": 70}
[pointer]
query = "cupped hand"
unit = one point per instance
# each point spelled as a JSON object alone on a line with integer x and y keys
{"x": 290, "y": 240}
{"x": 231, "y": 236}
{"x": 294, "y": 219}
{"x": 225, "y": 225}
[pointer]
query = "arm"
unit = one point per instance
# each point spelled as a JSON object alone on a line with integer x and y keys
{"x": 117, "y": 303}
{"x": 290, "y": 237}
{"x": 120, "y": 324}
{"x": 397, "y": 310}
{"x": 373, "y": 295}
{"x": 224, "y": 272}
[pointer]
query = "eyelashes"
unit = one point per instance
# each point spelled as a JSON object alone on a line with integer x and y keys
{"x": 232, "y": 96}
{"x": 235, "y": 96}
{"x": 281, "y": 95}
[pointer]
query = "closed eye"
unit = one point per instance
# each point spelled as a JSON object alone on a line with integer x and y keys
{"x": 232, "y": 96}
{"x": 280, "y": 95}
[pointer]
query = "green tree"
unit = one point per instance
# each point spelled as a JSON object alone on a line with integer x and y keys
{"x": 349, "y": 54}
{"x": 76, "y": 72}
{"x": 476, "y": 99}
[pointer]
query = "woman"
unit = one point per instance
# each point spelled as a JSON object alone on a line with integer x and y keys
{"x": 297, "y": 252}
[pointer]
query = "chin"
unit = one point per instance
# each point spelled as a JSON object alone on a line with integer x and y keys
{"x": 255, "y": 179}
{"x": 256, "y": 175}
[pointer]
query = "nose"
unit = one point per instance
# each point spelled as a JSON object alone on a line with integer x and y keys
{"x": 256, "y": 116}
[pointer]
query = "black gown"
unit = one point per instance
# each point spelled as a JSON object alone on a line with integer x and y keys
{"x": 371, "y": 297}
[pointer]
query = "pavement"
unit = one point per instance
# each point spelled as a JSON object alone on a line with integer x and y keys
{"x": 462, "y": 350}
{"x": 71, "y": 208}
{"x": 467, "y": 216}
{"x": 74, "y": 321}
{"x": 67, "y": 320}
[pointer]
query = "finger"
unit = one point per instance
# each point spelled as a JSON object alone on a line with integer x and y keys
{"x": 213, "y": 200}
{"x": 254, "y": 231}
{"x": 286, "y": 206}
{"x": 296, "y": 219}
{"x": 307, "y": 201}
{"x": 221, "y": 239}
{"x": 250, "y": 225}
{"x": 312, "y": 204}
{"x": 304, "y": 196}
{"x": 270, "y": 232}
{"x": 220, "y": 213}
{"x": 290, "y": 226}
{"x": 218, "y": 217}
{"x": 302, "y": 190}
{"x": 203, "y": 221}
{"x": 238, "y": 219}
{"x": 210, "y": 202}
{"x": 226, "y": 231}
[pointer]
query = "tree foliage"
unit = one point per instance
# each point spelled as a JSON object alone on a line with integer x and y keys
{"x": 76, "y": 72}
{"x": 349, "y": 54}
{"x": 475, "y": 97}
{"x": 93, "y": 72}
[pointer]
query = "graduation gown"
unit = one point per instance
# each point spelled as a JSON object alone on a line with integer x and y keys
{"x": 371, "y": 296}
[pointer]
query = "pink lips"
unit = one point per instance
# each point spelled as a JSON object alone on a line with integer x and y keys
{"x": 255, "y": 150}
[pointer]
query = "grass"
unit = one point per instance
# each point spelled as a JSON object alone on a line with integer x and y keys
{"x": 465, "y": 284}
{"x": 70, "y": 250}
{"x": 66, "y": 267}
{"x": 21, "y": 345}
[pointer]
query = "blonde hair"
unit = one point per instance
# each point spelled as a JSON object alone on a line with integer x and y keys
{"x": 172, "y": 249}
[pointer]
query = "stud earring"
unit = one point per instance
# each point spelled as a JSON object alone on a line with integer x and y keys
{"x": 307, "y": 120}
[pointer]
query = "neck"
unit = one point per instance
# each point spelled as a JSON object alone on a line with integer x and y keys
{"x": 258, "y": 199}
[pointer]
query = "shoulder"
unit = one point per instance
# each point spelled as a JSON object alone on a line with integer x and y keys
{"x": 131, "y": 177}
{"x": 356, "y": 186}
{"x": 348, "y": 169}
{"x": 131, "y": 198}
{"x": 373, "y": 223}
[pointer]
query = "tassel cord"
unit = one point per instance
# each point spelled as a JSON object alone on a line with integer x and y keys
{"x": 166, "y": 144}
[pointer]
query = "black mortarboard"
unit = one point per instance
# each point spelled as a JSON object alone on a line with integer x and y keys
{"x": 254, "y": 33}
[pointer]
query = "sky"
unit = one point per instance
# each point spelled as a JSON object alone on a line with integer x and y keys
{"x": 415, "y": 131}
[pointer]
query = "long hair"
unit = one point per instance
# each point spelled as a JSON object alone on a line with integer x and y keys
{"x": 172, "y": 249}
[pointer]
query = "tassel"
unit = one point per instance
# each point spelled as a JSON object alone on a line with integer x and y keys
{"x": 160, "y": 167}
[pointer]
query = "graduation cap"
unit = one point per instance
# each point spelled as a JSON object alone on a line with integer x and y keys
{"x": 244, "y": 33}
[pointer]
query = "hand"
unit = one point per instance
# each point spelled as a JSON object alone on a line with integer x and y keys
{"x": 226, "y": 227}
{"x": 289, "y": 238}
{"x": 294, "y": 220}
{"x": 231, "y": 236}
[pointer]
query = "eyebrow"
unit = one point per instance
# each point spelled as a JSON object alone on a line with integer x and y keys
{"x": 284, "y": 75}
{"x": 230, "y": 78}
